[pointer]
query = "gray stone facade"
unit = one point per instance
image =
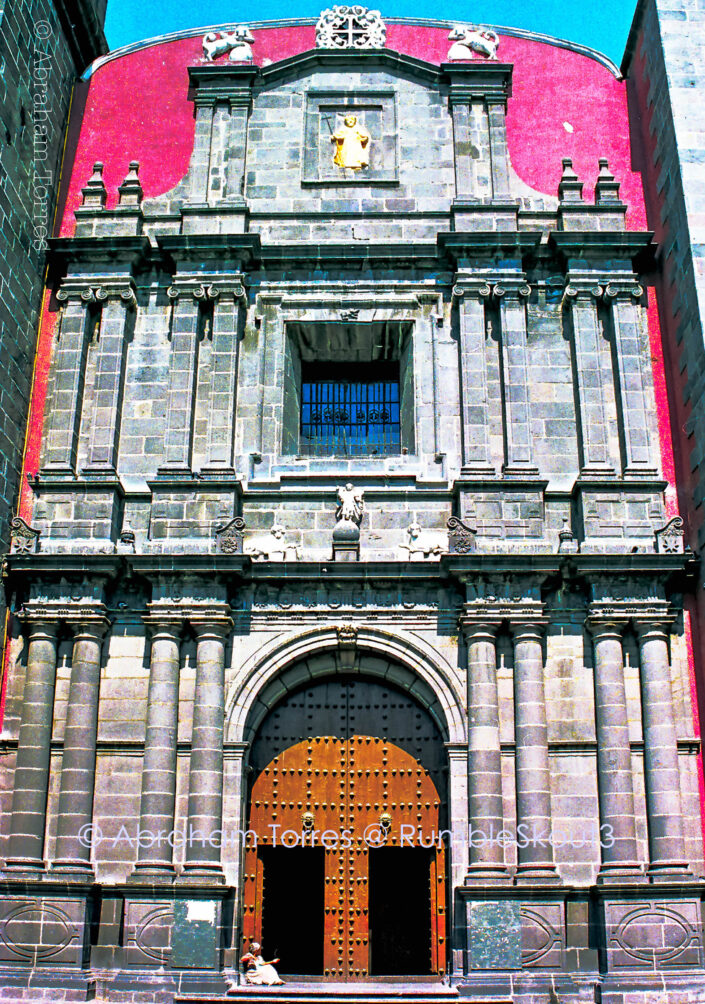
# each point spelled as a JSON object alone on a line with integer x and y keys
{"x": 537, "y": 621}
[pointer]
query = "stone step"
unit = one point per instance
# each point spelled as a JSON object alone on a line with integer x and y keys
{"x": 348, "y": 993}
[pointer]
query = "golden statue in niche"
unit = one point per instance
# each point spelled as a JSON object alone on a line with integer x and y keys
{"x": 352, "y": 144}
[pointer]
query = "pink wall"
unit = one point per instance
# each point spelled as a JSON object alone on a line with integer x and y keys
{"x": 137, "y": 109}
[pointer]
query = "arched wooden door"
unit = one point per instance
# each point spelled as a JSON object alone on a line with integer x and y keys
{"x": 372, "y": 861}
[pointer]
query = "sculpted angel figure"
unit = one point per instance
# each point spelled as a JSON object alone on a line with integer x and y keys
{"x": 352, "y": 144}
{"x": 351, "y": 504}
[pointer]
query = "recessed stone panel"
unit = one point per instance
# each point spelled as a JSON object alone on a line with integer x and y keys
{"x": 375, "y": 112}
{"x": 653, "y": 934}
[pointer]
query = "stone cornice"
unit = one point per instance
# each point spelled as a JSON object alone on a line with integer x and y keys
{"x": 636, "y": 246}
{"x": 90, "y": 250}
{"x": 488, "y": 80}
{"x": 360, "y": 59}
{"x": 483, "y": 244}
{"x": 222, "y": 252}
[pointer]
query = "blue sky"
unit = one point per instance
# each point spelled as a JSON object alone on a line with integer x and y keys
{"x": 603, "y": 26}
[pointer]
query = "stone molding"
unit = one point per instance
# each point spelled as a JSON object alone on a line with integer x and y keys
{"x": 74, "y": 615}
{"x": 204, "y": 289}
{"x": 97, "y": 291}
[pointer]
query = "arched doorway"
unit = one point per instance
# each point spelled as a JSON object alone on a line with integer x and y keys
{"x": 347, "y": 799}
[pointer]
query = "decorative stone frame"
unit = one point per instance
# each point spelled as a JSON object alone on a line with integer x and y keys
{"x": 276, "y": 307}
{"x": 378, "y": 110}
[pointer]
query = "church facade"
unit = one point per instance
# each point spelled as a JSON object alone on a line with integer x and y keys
{"x": 352, "y": 606}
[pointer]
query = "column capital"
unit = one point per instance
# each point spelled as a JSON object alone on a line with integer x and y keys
{"x": 207, "y": 290}
{"x": 603, "y": 625}
{"x": 654, "y": 626}
{"x": 533, "y": 627}
{"x": 623, "y": 289}
{"x": 168, "y": 622}
{"x": 511, "y": 289}
{"x": 214, "y": 626}
{"x": 583, "y": 289}
{"x": 98, "y": 291}
{"x": 92, "y": 625}
{"x": 38, "y": 624}
{"x": 477, "y": 624}
{"x": 478, "y": 289}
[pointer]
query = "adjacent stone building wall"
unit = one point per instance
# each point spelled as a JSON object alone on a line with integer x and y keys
{"x": 44, "y": 46}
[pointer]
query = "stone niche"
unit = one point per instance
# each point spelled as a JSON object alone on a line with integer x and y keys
{"x": 325, "y": 112}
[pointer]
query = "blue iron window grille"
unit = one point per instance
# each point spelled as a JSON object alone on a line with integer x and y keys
{"x": 350, "y": 409}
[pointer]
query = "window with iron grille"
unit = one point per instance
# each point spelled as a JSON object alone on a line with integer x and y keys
{"x": 350, "y": 409}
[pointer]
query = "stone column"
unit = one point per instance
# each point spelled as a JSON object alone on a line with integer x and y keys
{"x": 159, "y": 769}
{"x": 661, "y": 771}
{"x": 200, "y": 157}
{"x": 221, "y": 412}
{"x": 515, "y": 372}
{"x": 78, "y": 761}
{"x": 106, "y": 412}
{"x": 31, "y": 782}
{"x": 183, "y": 368}
{"x": 64, "y": 417}
{"x": 240, "y": 101}
{"x": 533, "y": 778}
{"x": 471, "y": 298}
{"x": 205, "y": 798}
{"x": 591, "y": 390}
{"x": 484, "y": 756}
{"x": 636, "y": 398}
{"x": 614, "y": 761}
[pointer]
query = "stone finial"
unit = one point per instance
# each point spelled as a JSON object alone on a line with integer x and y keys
{"x": 95, "y": 193}
{"x": 570, "y": 188}
{"x": 130, "y": 191}
{"x": 606, "y": 188}
{"x": 567, "y": 542}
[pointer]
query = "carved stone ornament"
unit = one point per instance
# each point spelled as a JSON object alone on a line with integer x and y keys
{"x": 24, "y": 539}
{"x": 347, "y": 636}
{"x": 237, "y": 42}
{"x": 567, "y": 542}
{"x": 272, "y": 546}
{"x": 669, "y": 539}
{"x": 422, "y": 544}
{"x": 228, "y": 538}
{"x": 355, "y": 27}
{"x": 351, "y": 507}
{"x": 467, "y": 41}
{"x": 461, "y": 537}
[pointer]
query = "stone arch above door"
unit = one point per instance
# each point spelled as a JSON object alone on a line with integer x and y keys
{"x": 404, "y": 661}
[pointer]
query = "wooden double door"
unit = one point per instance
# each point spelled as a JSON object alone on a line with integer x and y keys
{"x": 348, "y": 876}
